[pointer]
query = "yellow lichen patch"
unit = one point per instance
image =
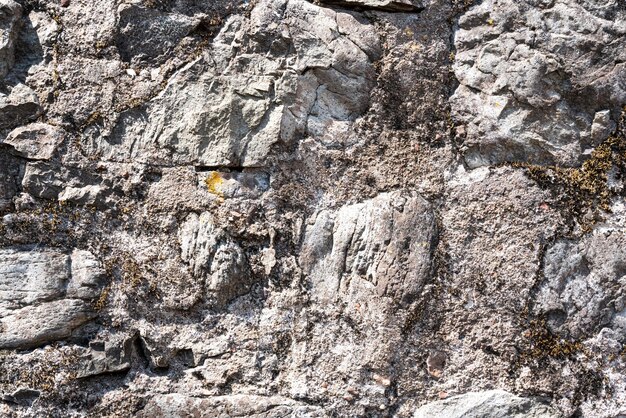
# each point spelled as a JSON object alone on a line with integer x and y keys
{"x": 490, "y": 21}
{"x": 214, "y": 183}
{"x": 414, "y": 46}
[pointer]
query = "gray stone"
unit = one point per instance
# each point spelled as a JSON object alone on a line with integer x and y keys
{"x": 9, "y": 180}
{"x": 582, "y": 287}
{"x": 85, "y": 195}
{"x": 491, "y": 403}
{"x": 231, "y": 105}
{"x": 52, "y": 180}
{"x": 37, "y": 141}
{"x": 43, "y": 180}
{"x": 45, "y": 294}
{"x": 34, "y": 325}
{"x": 214, "y": 257}
{"x": 20, "y": 106}
{"x": 532, "y": 79}
{"x": 87, "y": 274}
{"x": 145, "y": 35}
{"x": 112, "y": 355}
{"x": 384, "y": 244}
{"x": 22, "y": 396}
{"x": 178, "y": 405}
{"x": 28, "y": 277}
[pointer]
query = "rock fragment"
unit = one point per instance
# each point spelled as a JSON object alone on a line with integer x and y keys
{"x": 20, "y": 106}
{"x": 383, "y": 245}
{"x": 145, "y": 35}
{"x": 36, "y": 141}
{"x": 45, "y": 294}
{"x": 112, "y": 355}
{"x": 214, "y": 257}
{"x": 581, "y": 291}
{"x": 436, "y": 362}
{"x": 532, "y": 79}
{"x": 492, "y": 403}
{"x": 10, "y": 14}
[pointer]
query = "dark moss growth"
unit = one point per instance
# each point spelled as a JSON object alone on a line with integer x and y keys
{"x": 583, "y": 193}
{"x": 45, "y": 373}
{"x": 541, "y": 343}
{"x": 124, "y": 267}
{"x": 591, "y": 383}
{"x": 101, "y": 302}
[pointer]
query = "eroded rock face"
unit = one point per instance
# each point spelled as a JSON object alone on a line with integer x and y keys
{"x": 10, "y": 14}
{"x": 309, "y": 208}
{"x": 540, "y": 81}
{"x": 383, "y": 245}
{"x": 45, "y": 294}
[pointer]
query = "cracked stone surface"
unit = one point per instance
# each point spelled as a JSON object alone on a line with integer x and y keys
{"x": 333, "y": 208}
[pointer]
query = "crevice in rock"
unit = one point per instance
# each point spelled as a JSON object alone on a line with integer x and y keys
{"x": 390, "y": 6}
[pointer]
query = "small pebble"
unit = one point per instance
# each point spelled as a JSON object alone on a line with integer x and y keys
{"x": 382, "y": 380}
{"x": 65, "y": 3}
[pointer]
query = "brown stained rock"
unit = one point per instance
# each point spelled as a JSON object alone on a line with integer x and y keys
{"x": 436, "y": 362}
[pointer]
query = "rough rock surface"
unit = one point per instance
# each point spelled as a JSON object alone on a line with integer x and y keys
{"x": 10, "y": 14}
{"x": 540, "y": 81}
{"x": 45, "y": 294}
{"x": 329, "y": 208}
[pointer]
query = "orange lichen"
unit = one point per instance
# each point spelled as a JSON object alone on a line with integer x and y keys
{"x": 213, "y": 183}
